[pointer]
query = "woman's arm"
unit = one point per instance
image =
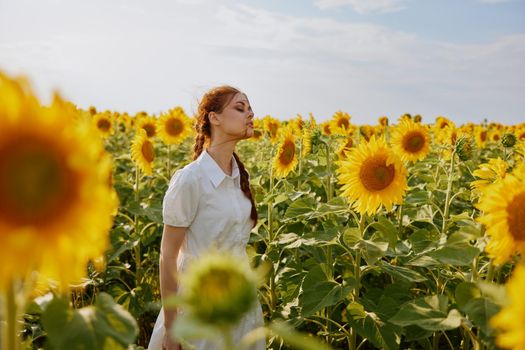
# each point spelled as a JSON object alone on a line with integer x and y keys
{"x": 172, "y": 238}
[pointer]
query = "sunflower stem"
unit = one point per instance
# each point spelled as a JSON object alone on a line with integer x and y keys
{"x": 136, "y": 248}
{"x": 169, "y": 161}
{"x": 329, "y": 171}
{"x": 227, "y": 337}
{"x": 400, "y": 219}
{"x": 12, "y": 342}
{"x": 449, "y": 190}
{"x": 300, "y": 156}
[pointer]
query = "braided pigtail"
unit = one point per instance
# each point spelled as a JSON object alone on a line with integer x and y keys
{"x": 245, "y": 187}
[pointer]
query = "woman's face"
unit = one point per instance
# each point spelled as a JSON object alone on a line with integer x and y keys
{"x": 236, "y": 118}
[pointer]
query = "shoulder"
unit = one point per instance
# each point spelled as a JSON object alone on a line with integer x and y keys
{"x": 189, "y": 175}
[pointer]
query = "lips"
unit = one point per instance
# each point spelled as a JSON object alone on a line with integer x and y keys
{"x": 250, "y": 125}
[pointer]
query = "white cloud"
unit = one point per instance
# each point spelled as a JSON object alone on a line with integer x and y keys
{"x": 158, "y": 55}
{"x": 494, "y": 1}
{"x": 363, "y": 6}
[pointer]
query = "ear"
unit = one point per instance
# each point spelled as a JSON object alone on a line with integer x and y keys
{"x": 214, "y": 118}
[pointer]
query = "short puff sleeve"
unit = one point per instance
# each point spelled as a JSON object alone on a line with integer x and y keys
{"x": 181, "y": 199}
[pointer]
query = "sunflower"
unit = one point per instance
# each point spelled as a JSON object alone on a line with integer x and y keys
{"x": 372, "y": 176}
{"x": 143, "y": 152}
{"x": 286, "y": 158}
{"x": 520, "y": 133}
{"x": 481, "y": 135}
{"x": 488, "y": 173}
{"x": 366, "y": 132}
{"x": 383, "y": 121}
{"x": 219, "y": 288}
{"x": 258, "y": 128}
{"x": 148, "y": 123}
{"x": 104, "y": 124}
{"x": 442, "y": 123}
{"x": 306, "y": 140}
{"x": 312, "y": 121}
{"x": 503, "y": 214}
{"x": 56, "y": 203}
{"x": 510, "y": 320}
{"x": 495, "y": 135}
{"x": 326, "y": 128}
{"x": 346, "y": 145}
{"x": 271, "y": 125}
{"x": 174, "y": 126}
{"x": 411, "y": 141}
{"x": 298, "y": 123}
{"x": 340, "y": 123}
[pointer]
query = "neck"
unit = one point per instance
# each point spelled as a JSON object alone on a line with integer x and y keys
{"x": 222, "y": 153}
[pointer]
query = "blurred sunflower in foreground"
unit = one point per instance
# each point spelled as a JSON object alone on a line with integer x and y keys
{"x": 56, "y": 195}
{"x": 488, "y": 173}
{"x": 510, "y": 320}
{"x": 371, "y": 176}
{"x": 219, "y": 288}
{"x": 503, "y": 214}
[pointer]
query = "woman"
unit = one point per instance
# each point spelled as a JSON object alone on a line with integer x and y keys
{"x": 208, "y": 202}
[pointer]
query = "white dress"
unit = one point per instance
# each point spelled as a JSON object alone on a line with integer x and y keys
{"x": 211, "y": 204}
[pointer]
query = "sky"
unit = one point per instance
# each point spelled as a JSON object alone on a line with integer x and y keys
{"x": 462, "y": 59}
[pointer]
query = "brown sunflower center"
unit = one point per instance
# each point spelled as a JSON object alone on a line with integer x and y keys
{"x": 516, "y": 219}
{"x": 483, "y": 136}
{"x": 495, "y": 137}
{"x": 37, "y": 185}
{"x": 147, "y": 151}
{"x": 287, "y": 153}
{"x": 375, "y": 174}
{"x": 257, "y": 134}
{"x": 272, "y": 127}
{"x": 150, "y": 129}
{"x": 103, "y": 125}
{"x": 326, "y": 129}
{"x": 174, "y": 126}
{"x": 343, "y": 122}
{"x": 413, "y": 142}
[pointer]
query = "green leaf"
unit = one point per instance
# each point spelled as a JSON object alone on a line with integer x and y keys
{"x": 465, "y": 291}
{"x": 318, "y": 292}
{"x": 91, "y": 327}
{"x": 480, "y": 311}
{"x": 456, "y": 255}
{"x": 300, "y": 207}
{"x": 295, "y": 339}
{"x": 372, "y": 251}
{"x": 351, "y": 236}
{"x": 417, "y": 197}
{"x": 368, "y": 325}
{"x": 385, "y": 231}
{"x": 429, "y": 313}
{"x": 421, "y": 240}
{"x": 402, "y": 273}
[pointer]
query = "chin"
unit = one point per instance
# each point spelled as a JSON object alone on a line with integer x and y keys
{"x": 249, "y": 133}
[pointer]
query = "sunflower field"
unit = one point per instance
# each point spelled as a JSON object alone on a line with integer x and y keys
{"x": 400, "y": 234}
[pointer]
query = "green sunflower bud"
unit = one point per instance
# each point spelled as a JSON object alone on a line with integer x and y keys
{"x": 464, "y": 148}
{"x": 219, "y": 289}
{"x": 508, "y": 140}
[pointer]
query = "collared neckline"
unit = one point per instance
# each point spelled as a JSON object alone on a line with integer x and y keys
{"x": 214, "y": 171}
